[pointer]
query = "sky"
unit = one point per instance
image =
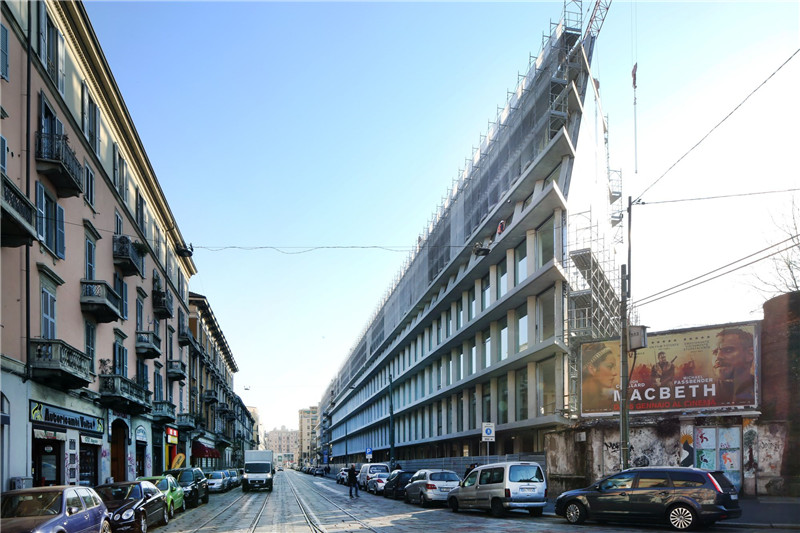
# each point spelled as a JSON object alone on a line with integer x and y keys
{"x": 304, "y": 146}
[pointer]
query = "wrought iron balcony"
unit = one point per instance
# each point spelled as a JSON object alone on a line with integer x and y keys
{"x": 176, "y": 370}
{"x": 100, "y": 300}
{"x": 229, "y": 415}
{"x": 148, "y": 344}
{"x": 123, "y": 394}
{"x": 210, "y": 396}
{"x": 18, "y": 224}
{"x": 186, "y": 421}
{"x": 163, "y": 411}
{"x": 56, "y": 160}
{"x": 222, "y": 438}
{"x": 162, "y": 304}
{"x": 127, "y": 257}
{"x": 222, "y": 407}
{"x": 59, "y": 365}
{"x": 185, "y": 336}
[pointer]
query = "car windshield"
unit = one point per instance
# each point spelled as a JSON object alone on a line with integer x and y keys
{"x": 378, "y": 468}
{"x": 523, "y": 473}
{"x": 163, "y": 484}
{"x": 116, "y": 493}
{"x": 444, "y": 476}
{"x": 31, "y": 504}
{"x": 257, "y": 468}
{"x": 216, "y": 475}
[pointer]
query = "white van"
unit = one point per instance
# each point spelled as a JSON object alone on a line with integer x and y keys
{"x": 500, "y": 487}
{"x": 368, "y": 470}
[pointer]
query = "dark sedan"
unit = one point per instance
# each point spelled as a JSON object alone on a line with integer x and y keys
{"x": 194, "y": 483}
{"x": 133, "y": 505}
{"x": 395, "y": 486}
{"x": 680, "y": 497}
{"x": 53, "y": 509}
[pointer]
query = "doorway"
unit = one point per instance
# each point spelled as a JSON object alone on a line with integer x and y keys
{"x": 47, "y": 469}
{"x": 119, "y": 450}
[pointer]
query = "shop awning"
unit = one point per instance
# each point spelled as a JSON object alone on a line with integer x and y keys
{"x": 201, "y": 450}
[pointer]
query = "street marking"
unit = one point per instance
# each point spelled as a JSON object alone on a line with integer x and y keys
{"x": 325, "y": 486}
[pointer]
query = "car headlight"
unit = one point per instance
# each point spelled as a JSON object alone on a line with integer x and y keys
{"x": 127, "y": 515}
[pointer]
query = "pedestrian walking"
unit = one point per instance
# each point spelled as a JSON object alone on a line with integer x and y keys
{"x": 351, "y": 480}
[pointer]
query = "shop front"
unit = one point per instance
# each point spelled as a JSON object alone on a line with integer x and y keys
{"x": 172, "y": 446}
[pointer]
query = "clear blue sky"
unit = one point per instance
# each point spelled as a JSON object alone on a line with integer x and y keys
{"x": 301, "y": 126}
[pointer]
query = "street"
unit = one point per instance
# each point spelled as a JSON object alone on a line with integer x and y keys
{"x": 301, "y": 503}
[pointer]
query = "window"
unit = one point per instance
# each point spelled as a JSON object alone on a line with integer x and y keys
{"x": 502, "y": 342}
{"x": 90, "y": 118}
{"x": 48, "y": 312}
{"x": 649, "y": 480}
{"x": 158, "y": 385}
{"x": 545, "y": 243}
{"x": 3, "y": 52}
{"x": 472, "y": 307}
{"x": 91, "y": 249}
{"x": 623, "y": 480}
{"x": 520, "y": 262}
{"x": 49, "y": 221}
{"x": 88, "y": 185}
{"x": 459, "y": 412}
{"x": 459, "y": 314}
{"x": 121, "y": 289}
{"x": 139, "y": 314}
{"x": 120, "y": 358}
{"x": 486, "y": 401}
{"x": 141, "y": 212}
{"x": 521, "y": 399}
{"x": 546, "y": 386}
{"x": 3, "y": 148}
{"x": 545, "y": 314}
{"x": 473, "y": 402}
{"x": 484, "y": 292}
{"x": 117, "y": 223}
{"x": 51, "y": 48}
{"x": 90, "y": 339}
{"x": 460, "y": 365}
{"x": 448, "y": 323}
{"x": 487, "y": 348}
{"x": 502, "y": 279}
{"x": 141, "y": 374}
{"x": 473, "y": 357}
{"x": 439, "y": 331}
{"x": 521, "y": 313}
{"x": 120, "y": 175}
{"x": 502, "y": 399}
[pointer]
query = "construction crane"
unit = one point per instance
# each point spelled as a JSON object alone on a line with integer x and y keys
{"x": 597, "y": 18}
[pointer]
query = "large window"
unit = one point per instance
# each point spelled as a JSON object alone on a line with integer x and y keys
{"x": 48, "y": 312}
{"x": 545, "y": 314}
{"x": 502, "y": 400}
{"x": 487, "y": 348}
{"x": 520, "y": 262}
{"x": 502, "y": 279}
{"x": 521, "y": 314}
{"x": 486, "y": 401}
{"x": 502, "y": 341}
{"x": 546, "y": 386}
{"x": 120, "y": 358}
{"x": 485, "y": 292}
{"x": 90, "y": 118}
{"x": 545, "y": 242}
{"x": 91, "y": 250}
{"x": 472, "y": 311}
{"x": 521, "y": 394}
{"x": 51, "y": 48}
{"x": 459, "y": 314}
{"x": 121, "y": 288}
{"x": 50, "y": 221}
{"x": 3, "y": 52}
{"x": 88, "y": 185}
{"x": 120, "y": 175}
{"x": 90, "y": 339}
{"x": 473, "y": 404}
{"x": 473, "y": 356}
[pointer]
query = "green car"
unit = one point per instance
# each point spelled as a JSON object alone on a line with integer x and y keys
{"x": 173, "y": 492}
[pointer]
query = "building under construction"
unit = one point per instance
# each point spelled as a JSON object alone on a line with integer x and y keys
{"x": 513, "y": 271}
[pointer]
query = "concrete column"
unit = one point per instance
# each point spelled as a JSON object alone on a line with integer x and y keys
{"x": 533, "y": 334}
{"x": 511, "y": 318}
{"x": 478, "y": 404}
{"x": 510, "y": 269}
{"x": 530, "y": 243}
{"x": 492, "y": 284}
{"x": 453, "y": 318}
{"x": 512, "y": 396}
{"x": 465, "y": 407}
{"x": 494, "y": 331}
{"x": 480, "y": 348}
{"x": 494, "y": 396}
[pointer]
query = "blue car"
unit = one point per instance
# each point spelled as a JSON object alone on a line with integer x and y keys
{"x": 68, "y": 509}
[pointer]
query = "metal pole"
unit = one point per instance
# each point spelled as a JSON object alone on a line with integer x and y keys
{"x": 391, "y": 425}
{"x": 623, "y": 373}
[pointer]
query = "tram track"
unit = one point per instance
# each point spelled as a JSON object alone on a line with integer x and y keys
{"x": 218, "y": 517}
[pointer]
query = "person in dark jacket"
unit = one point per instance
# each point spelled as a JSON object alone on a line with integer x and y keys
{"x": 351, "y": 480}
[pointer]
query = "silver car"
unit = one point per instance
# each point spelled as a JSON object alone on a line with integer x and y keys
{"x": 428, "y": 486}
{"x": 500, "y": 487}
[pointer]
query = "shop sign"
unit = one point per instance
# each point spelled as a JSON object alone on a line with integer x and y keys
{"x": 698, "y": 369}
{"x": 141, "y": 434}
{"x": 53, "y": 435}
{"x": 172, "y": 436}
{"x": 91, "y": 440}
{"x": 50, "y": 414}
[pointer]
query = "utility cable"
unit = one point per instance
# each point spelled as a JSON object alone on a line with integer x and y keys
{"x": 718, "y": 197}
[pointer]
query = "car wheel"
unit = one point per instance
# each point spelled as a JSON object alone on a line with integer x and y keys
{"x": 171, "y": 511}
{"x": 165, "y": 517}
{"x": 681, "y": 517}
{"x": 497, "y": 508}
{"x": 575, "y": 513}
{"x": 452, "y": 503}
{"x": 105, "y": 527}
{"x": 183, "y": 505}
{"x": 142, "y": 523}
{"x": 205, "y": 498}
{"x": 407, "y": 498}
{"x": 423, "y": 501}
{"x": 535, "y": 511}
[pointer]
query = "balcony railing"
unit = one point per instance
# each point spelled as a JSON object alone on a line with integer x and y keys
{"x": 185, "y": 336}
{"x": 100, "y": 300}
{"x": 186, "y": 421}
{"x": 163, "y": 411}
{"x": 222, "y": 407}
{"x": 162, "y": 304}
{"x": 176, "y": 370}
{"x": 18, "y": 224}
{"x": 58, "y": 364}
{"x": 123, "y": 394}
{"x": 127, "y": 257}
{"x": 56, "y": 160}
{"x": 210, "y": 396}
{"x": 148, "y": 344}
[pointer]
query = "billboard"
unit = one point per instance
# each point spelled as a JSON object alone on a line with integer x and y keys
{"x": 696, "y": 369}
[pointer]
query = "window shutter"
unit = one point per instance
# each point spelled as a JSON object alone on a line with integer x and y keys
{"x": 41, "y": 219}
{"x": 61, "y": 63}
{"x": 96, "y": 130}
{"x": 89, "y": 259}
{"x": 43, "y": 33}
{"x": 124, "y": 300}
{"x": 114, "y": 160}
{"x": 124, "y": 361}
{"x": 4, "y": 52}
{"x": 60, "y": 237}
{"x": 3, "y": 154}
{"x": 85, "y": 109}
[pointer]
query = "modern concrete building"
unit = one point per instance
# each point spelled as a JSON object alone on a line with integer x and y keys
{"x": 95, "y": 270}
{"x": 514, "y": 270}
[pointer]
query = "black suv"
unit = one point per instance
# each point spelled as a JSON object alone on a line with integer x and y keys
{"x": 681, "y": 497}
{"x": 194, "y": 483}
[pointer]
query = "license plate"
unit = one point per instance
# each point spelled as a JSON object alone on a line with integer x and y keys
{"x": 734, "y": 496}
{"x": 445, "y": 489}
{"x": 527, "y": 489}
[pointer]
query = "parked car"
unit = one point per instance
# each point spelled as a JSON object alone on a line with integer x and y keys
{"x": 133, "y": 505}
{"x": 235, "y": 479}
{"x": 682, "y": 497}
{"x": 219, "y": 481}
{"x": 194, "y": 483}
{"x": 428, "y": 486}
{"x": 319, "y": 471}
{"x": 341, "y": 476}
{"x": 367, "y": 471}
{"x": 395, "y": 486}
{"x": 376, "y": 483}
{"x": 500, "y": 487}
{"x": 68, "y": 509}
{"x": 173, "y": 492}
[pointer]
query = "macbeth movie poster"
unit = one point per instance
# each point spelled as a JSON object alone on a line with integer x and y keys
{"x": 691, "y": 370}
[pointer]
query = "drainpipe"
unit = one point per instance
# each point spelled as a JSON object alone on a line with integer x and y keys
{"x": 28, "y": 195}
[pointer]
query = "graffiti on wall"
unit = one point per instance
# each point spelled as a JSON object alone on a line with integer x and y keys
{"x": 749, "y": 444}
{"x": 687, "y": 447}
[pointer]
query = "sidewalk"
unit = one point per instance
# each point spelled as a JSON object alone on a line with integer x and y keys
{"x": 757, "y": 513}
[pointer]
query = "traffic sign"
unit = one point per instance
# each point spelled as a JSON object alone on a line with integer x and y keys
{"x": 369, "y": 453}
{"x": 487, "y": 435}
